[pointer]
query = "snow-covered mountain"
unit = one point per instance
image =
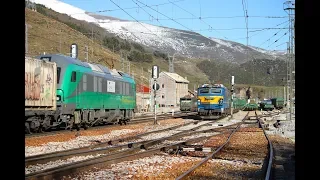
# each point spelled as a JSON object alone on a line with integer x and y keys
{"x": 185, "y": 43}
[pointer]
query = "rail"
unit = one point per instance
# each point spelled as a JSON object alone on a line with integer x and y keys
{"x": 129, "y": 154}
{"x": 212, "y": 154}
{"x": 268, "y": 173}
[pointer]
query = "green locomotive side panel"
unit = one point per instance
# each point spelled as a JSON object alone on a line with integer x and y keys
{"x": 92, "y": 100}
{"x": 86, "y": 98}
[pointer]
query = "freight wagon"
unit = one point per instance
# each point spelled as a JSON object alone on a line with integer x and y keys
{"x": 266, "y": 105}
{"x": 188, "y": 104}
{"x": 239, "y": 103}
{"x": 251, "y": 105}
{"x": 40, "y": 91}
{"x": 278, "y": 102}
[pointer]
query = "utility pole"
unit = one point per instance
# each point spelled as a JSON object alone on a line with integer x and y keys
{"x": 289, "y": 7}
{"x": 128, "y": 64}
{"x": 284, "y": 93}
{"x": 232, "y": 89}
{"x": 151, "y": 92}
{"x": 287, "y": 76}
{"x": 60, "y": 42}
{"x": 155, "y": 76}
{"x": 142, "y": 89}
{"x": 92, "y": 41}
{"x": 247, "y": 49}
{"x": 86, "y": 51}
{"x": 122, "y": 62}
{"x": 171, "y": 60}
{"x": 26, "y": 43}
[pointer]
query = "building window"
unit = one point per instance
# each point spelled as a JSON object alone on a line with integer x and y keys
{"x": 162, "y": 96}
{"x": 162, "y": 85}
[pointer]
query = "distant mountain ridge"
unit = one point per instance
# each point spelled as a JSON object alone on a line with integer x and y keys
{"x": 185, "y": 43}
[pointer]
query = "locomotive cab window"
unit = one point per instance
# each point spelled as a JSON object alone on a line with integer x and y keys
{"x": 204, "y": 91}
{"x": 46, "y": 58}
{"x": 58, "y": 74}
{"x": 216, "y": 90}
{"x": 73, "y": 76}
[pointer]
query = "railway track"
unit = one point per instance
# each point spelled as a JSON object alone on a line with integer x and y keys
{"x": 112, "y": 153}
{"x": 246, "y": 120}
{"x": 140, "y": 119}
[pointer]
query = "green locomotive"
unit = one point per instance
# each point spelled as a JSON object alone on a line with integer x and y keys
{"x": 89, "y": 94}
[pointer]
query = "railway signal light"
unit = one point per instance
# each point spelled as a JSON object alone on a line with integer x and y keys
{"x": 156, "y": 86}
{"x": 74, "y": 50}
{"x": 155, "y": 72}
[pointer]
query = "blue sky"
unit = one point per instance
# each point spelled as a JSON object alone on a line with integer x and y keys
{"x": 213, "y": 14}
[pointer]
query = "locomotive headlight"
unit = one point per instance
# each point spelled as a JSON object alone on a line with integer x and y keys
{"x": 221, "y": 101}
{"x": 58, "y": 98}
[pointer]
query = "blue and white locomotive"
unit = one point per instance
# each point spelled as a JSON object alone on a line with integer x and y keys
{"x": 213, "y": 101}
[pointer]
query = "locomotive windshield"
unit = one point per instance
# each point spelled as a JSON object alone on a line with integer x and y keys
{"x": 204, "y": 91}
{"x": 216, "y": 90}
{"x": 210, "y": 90}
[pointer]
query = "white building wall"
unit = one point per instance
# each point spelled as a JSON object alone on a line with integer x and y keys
{"x": 182, "y": 90}
{"x": 166, "y": 95}
{"x": 170, "y": 91}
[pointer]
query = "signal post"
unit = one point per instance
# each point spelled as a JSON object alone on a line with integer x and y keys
{"x": 155, "y": 76}
{"x": 232, "y": 89}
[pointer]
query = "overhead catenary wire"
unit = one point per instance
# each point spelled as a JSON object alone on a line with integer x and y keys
{"x": 281, "y": 44}
{"x": 273, "y": 36}
{"x": 200, "y": 18}
{"x": 164, "y": 15}
{"x": 278, "y": 39}
{"x": 169, "y": 17}
{"x": 161, "y": 39}
{"x": 263, "y": 29}
{"x": 131, "y": 17}
{"x": 147, "y": 12}
{"x": 271, "y": 28}
{"x": 119, "y": 9}
{"x": 212, "y": 17}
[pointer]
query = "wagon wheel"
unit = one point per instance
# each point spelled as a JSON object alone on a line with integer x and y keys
{"x": 85, "y": 126}
{"x": 41, "y": 129}
{"x": 69, "y": 124}
{"x": 77, "y": 127}
{"x": 27, "y": 128}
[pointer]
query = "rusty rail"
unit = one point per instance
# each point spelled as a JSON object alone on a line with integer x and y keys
{"x": 212, "y": 154}
{"x": 268, "y": 173}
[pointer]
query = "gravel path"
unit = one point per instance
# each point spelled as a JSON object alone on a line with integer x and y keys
{"x": 286, "y": 129}
{"x": 154, "y": 165}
